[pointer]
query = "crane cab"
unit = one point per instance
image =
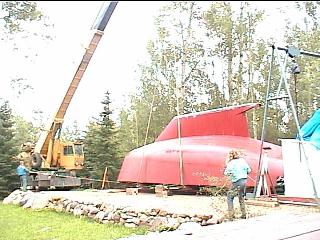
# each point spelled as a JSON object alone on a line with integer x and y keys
{"x": 68, "y": 155}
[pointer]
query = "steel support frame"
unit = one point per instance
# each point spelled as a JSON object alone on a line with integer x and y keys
{"x": 283, "y": 79}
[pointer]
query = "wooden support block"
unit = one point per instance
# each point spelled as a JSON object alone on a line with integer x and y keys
{"x": 262, "y": 203}
{"x": 163, "y": 193}
{"x": 159, "y": 188}
{"x": 132, "y": 191}
{"x": 266, "y": 199}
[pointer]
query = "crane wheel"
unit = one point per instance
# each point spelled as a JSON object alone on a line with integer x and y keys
{"x": 36, "y": 160}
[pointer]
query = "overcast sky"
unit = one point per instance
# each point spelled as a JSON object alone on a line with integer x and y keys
{"x": 112, "y": 67}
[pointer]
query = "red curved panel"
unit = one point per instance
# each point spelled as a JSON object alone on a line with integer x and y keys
{"x": 223, "y": 121}
{"x": 202, "y": 156}
{"x": 206, "y": 139}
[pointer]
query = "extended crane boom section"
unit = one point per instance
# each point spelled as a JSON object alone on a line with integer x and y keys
{"x": 45, "y": 145}
{"x": 78, "y": 75}
{"x": 55, "y": 127}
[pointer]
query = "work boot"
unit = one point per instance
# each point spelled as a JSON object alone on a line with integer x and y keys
{"x": 243, "y": 213}
{"x": 242, "y": 208}
{"x": 230, "y": 215}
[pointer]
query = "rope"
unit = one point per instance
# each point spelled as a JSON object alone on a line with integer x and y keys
{"x": 149, "y": 120}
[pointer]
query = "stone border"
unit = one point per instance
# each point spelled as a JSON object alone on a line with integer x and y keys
{"x": 102, "y": 212}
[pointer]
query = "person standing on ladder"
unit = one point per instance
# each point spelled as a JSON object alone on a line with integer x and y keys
{"x": 22, "y": 171}
{"x": 237, "y": 169}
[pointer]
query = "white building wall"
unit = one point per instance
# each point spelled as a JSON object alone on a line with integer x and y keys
{"x": 297, "y": 178}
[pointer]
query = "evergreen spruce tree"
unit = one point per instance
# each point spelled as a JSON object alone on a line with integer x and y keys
{"x": 8, "y": 178}
{"x": 101, "y": 144}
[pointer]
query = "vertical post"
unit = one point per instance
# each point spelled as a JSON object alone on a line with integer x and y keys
{"x": 105, "y": 178}
{"x": 179, "y": 137}
{"x": 178, "y": 92}
{"x": 264, "y": 120}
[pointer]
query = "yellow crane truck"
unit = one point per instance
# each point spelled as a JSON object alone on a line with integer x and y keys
{"x": 54, "y": 162}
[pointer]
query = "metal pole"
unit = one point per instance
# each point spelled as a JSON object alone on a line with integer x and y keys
{"x": 264, "y": 120}
{"x": 311, "y": 54}
{"x": 283, "y": 74}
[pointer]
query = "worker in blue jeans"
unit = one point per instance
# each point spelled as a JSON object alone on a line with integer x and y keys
{"x": 22, "y": 171}
{"x": 237, "y": 169}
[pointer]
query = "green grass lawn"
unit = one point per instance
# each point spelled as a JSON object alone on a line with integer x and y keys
{"x": 17, "y": 223}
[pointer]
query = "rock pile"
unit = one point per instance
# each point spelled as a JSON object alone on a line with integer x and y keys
{"x": 103, "y": 212}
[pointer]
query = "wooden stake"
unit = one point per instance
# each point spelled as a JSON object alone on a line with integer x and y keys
{"x": 105, "y": 178}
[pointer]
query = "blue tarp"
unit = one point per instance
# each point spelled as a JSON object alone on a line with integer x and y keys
{"x": 310, "y": 131}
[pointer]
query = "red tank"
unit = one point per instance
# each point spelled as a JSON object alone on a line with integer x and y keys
{"x": 206, "y": 138}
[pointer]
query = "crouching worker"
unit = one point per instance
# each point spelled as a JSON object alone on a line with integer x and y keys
{"x": 237, "y": 170}
{"x": 22, "y": 171}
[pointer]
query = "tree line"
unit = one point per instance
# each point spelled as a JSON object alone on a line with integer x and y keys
{"x": 202, "y": 58}
{"x": 209, "y": 58}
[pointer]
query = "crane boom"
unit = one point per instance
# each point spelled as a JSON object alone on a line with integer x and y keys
{"x": 102, "y": 23}
{"x": 45, "y": 143}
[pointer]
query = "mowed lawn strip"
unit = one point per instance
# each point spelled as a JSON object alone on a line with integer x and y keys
{"x": 18, "y": 223}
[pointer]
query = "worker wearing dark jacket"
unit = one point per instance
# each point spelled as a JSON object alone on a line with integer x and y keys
{"x": 22, "y": 171}
{"x": 237, "y": 170}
